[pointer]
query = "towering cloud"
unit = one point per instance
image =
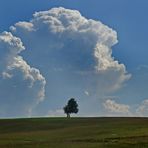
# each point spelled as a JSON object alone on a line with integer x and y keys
{"x": 21, "y": 86}
{"x": 62, "y": 39}
{"x": 72, "y": 52}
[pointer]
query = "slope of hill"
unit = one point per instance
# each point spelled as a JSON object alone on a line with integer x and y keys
{"x": 74, "y": 133}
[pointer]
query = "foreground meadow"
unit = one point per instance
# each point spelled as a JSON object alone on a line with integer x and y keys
{"x": 74, "y": 133}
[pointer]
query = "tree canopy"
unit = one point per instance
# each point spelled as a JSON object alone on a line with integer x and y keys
{"x": 71, "y": 107}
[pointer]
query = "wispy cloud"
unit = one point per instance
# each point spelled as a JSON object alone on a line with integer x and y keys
{"x": 56, "y": 113}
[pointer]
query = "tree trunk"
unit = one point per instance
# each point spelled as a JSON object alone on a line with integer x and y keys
{"x": 68, "y": 115}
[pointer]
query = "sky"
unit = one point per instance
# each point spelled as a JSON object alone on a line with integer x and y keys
{"x": 54, "y": 50}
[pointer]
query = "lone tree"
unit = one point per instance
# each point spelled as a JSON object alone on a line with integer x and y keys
{"x": 71, "y": 107}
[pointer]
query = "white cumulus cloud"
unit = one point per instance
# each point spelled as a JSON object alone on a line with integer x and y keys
{"x": 142, "y": 109}
{"x": 22, "y": 86}
{"x": 72, "y": 52}
{"x": 114, "y": 107}
{"x": 63, "y": 39}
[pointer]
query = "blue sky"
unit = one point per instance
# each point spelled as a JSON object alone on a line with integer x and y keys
{"x": 127, "y": 18}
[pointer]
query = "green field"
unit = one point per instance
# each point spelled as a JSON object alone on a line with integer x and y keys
{"x": 74, "y": 133}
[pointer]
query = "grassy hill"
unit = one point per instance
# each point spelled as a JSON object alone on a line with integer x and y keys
{"x": 74, "y": 133}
